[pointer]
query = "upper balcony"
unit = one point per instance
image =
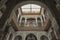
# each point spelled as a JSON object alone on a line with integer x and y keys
{"x": 32, "y": 26}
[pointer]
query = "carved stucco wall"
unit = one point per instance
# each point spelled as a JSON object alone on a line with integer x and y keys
{"x": 38, "y": 34}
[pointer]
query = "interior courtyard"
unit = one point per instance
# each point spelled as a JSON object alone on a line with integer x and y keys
{"x": 29, "y": 19}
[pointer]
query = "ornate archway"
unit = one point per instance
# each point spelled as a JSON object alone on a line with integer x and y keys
{"x": 43, "y": 37}
{"x": 31, "y": 37}
{"x": 18, "y": 37}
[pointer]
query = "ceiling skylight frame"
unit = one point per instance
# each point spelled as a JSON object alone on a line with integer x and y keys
{"x": 31, "y": 8}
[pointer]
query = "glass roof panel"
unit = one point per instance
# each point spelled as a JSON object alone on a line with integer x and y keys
{"x": 26, "y": 6}
{"x": 25, "y": 10}
{"x": 30, "y": 8}
{"x": 35, "y": 6}
{"x": 35, "y": 10}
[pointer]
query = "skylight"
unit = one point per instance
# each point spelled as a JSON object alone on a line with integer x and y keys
{"x": 31, "y": 8}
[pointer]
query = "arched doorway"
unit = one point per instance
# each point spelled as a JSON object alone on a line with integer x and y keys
{"x": 43, "y": 37}
{"x": 31, "y": 37}
{"x": 18, "y": 37}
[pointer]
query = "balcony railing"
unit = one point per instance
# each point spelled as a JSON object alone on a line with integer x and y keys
{"x": 31, "y": 26}
{"x": 37, "y": 28}
{"x": 28, "y": 24}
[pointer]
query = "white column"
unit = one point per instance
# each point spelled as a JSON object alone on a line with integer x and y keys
{"x": 36, "y": 21}
{"x": 25, "y": 21}
{"x": 18, "y": 18}
{"x": 41, "y": 20}
{"x": 42, "y": 12}
{"x": 20, "y": 21}
{"x": 19, "y": 11}
{"x": 19, "y": 14}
